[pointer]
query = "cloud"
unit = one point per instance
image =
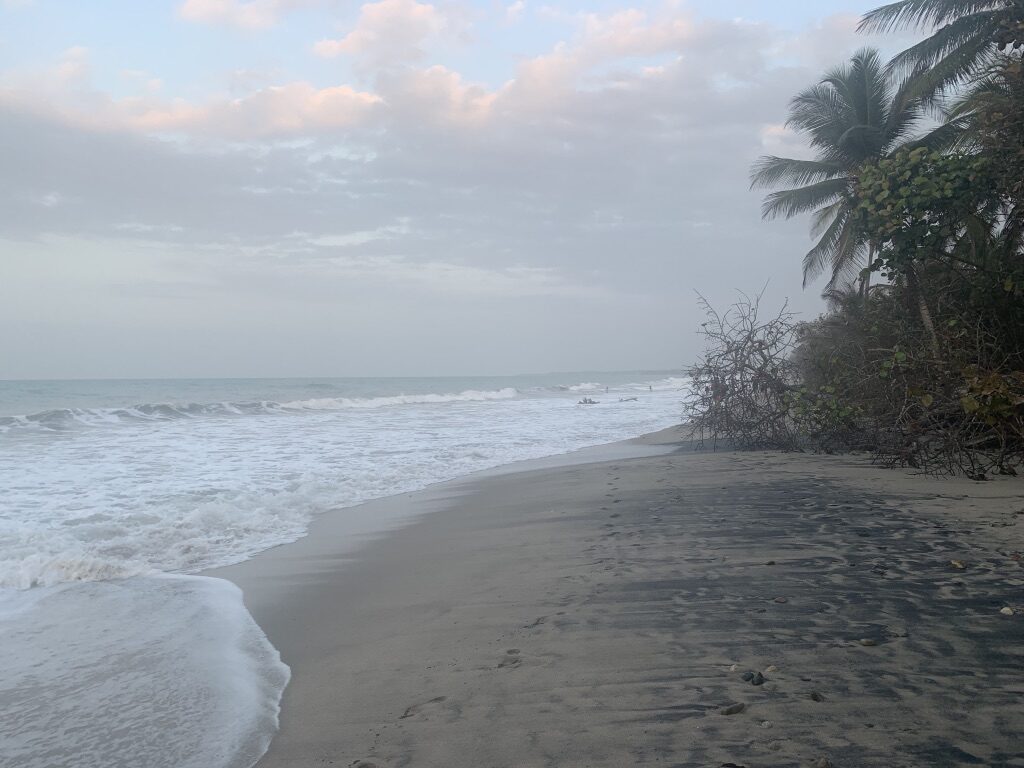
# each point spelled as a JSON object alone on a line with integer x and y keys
{"x": 635, "y": 33}
{"x": 73, "y": 66}
{"x": 392, "y": 32}
{"x": 436, "y": 96}
{"x": 514, "y": 11}
{"x": 246, "y": 14}
{"x": 285, "y": 110}
{"x": 297, "y": 108}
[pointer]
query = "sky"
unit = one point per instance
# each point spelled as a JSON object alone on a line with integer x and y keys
{"x": 232, "y": 188}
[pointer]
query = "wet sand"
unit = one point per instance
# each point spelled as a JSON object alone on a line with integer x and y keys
{"x": 607, "y": 614}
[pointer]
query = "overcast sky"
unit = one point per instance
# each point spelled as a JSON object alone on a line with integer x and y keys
{"x": 329, "y": 188}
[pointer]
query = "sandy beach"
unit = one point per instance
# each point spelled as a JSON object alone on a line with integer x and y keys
{"x": 671, "y": 609}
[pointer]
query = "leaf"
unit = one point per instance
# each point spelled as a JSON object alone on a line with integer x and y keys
{"x": 970, "y": 404}
{"x": 927, "y": 400}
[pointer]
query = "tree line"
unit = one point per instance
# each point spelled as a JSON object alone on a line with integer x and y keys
{"x": 914, "y": 193}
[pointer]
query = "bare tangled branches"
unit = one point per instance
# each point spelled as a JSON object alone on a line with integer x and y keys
{"x": 741, "y": 386}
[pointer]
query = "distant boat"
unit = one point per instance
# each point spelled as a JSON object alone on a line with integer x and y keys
{"x": 587, "y": 401}
{"x": 628, "y": 399}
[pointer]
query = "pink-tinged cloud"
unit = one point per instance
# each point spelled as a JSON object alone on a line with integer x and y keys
{"x": 437, "y": 96}
{"x": 247, "y": 14}
{"x": 634, "y": 33}
{"x": 296, "y": 108}
{"x": 278, "y": 111}
{"x": 391, "y": 32}
{"x": 542, "y": 81}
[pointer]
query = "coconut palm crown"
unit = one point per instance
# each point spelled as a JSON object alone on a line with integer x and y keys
{"x": 967, "y": 35}
{"x": 855, "y": 115}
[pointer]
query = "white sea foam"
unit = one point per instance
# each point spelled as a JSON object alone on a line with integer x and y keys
{"x": 162, "y": 672}
{"x": 337, "y": 403}
{"x": 180, "y": 494}
{"x": 67, "y": 418}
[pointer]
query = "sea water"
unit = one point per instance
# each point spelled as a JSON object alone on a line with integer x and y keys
{"x": 114, "y": 494}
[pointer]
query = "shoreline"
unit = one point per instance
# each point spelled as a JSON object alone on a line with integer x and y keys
{"x": 591, "y": 613}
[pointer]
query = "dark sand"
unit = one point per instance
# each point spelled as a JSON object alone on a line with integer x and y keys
{"x": 604, "y": 614}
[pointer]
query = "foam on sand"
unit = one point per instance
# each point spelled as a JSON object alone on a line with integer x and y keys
{"x": 165, "y": 671}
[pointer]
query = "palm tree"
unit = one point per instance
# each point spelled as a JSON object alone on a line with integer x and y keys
{"x": 855, "y": 115}
{"x": 968, "y": 35}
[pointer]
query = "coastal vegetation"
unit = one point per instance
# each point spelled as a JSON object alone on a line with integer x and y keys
{"x": 916, "y": 198}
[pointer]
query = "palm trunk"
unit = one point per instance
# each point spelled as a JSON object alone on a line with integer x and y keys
{"x": 924, "y": 311}
{"x": 865, "y": 282}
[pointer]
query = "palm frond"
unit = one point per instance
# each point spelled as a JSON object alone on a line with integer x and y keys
{"x": 989, "y": 87}
{"x": 822, "y": 112}
{"x": 974, "y": 243}
{"x": 792, "y": 202}
{"x": 824, "y": 218}
{"x": 872, "y": 93}
{"x": 848, "y": 256}
{"x": 952, "y": 136}
{"x": 950, "y": 57}
{"x": 769, "y": 171}
{"x": 921, "y": 14}
{"x": 905, "y": 111}
{"x": 945, "y": 40}
{"x": 838, "y": 242}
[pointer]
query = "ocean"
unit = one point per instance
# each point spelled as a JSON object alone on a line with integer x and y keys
{"x": 114, "y": 495}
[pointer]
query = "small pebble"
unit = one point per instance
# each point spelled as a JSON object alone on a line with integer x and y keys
{"x": 733, "y": 668}
{"x": 770, "y": 562}
{"x": 770, "y": 668}
{"x": 815, "y": 696}
{"x": 781, "y": 600}
{"x": 867, "y": 641}
{"x": 757, "y": 679}
{"x": 733, "y": 709}
{"x": 766, "y": 723}
{"x": 1007, "y": 611}
{"x": 748, "y": 676}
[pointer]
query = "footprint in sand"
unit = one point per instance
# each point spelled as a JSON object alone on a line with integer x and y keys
{"x": 415, "y": 709}
{"x": 511, "y": 660}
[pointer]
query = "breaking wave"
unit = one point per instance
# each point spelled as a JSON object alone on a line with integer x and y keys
{"x": 69, "y": 418}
